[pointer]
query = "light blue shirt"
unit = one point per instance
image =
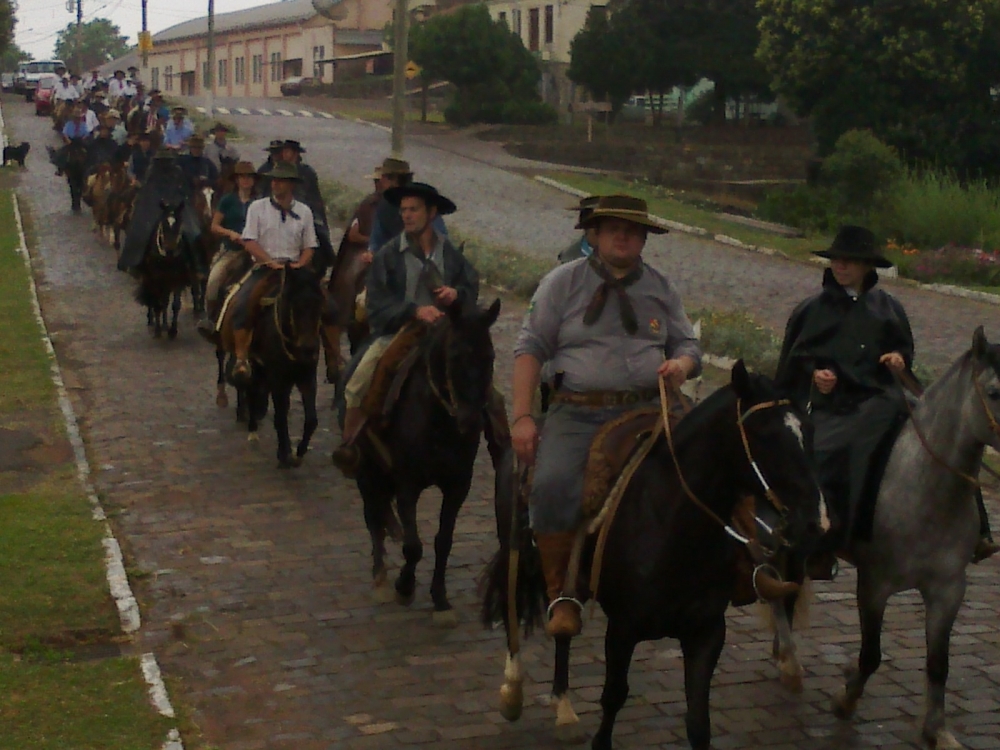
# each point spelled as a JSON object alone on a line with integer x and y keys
{"x": 74, "y": 129}
{"x": 175, "y": 136}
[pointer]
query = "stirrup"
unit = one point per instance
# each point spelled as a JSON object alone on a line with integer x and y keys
{"x": 559, "y": 599}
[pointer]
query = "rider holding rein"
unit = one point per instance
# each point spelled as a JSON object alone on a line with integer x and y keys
{"x": 610, "y": 325}
{"x": 279, "y": 231}
{"x": 842, "y": 356}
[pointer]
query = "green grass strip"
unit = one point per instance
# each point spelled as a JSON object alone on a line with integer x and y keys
{"x": 663, "y": 205}
{"x": 76, "y": 706}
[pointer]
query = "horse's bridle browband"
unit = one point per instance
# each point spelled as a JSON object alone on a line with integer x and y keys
{"x": 741, "y": 416}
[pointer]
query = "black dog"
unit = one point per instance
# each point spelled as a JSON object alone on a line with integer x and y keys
{"x": 16, "y": 153}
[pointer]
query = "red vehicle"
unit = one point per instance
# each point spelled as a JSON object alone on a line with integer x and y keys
{"x": 43, "y": 95}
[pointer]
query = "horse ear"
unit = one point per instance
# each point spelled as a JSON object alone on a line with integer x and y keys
{"x": 979, "y": 343}
{"x": 741, "y": 380}
{"x": 492, "y": 313}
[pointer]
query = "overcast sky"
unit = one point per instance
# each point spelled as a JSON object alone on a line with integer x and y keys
{"x": 39, "y": 21}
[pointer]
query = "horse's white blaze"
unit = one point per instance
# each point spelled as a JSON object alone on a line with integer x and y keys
{"x": 512, "y": 669}
{"x": 824, "y": 516}
{"x": 792, "y": 423}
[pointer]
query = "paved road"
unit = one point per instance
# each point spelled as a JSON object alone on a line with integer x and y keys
{"x": 254, "y": 583}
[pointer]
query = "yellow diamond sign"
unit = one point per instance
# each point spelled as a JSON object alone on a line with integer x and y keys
{"x": 412, "y": 70}
{"x": 145, "y": 41}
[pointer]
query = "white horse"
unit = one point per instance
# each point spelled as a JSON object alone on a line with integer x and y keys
{"x": 926, "y": 526}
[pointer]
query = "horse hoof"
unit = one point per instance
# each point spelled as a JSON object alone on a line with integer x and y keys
{"x": 404, "y": 599}
{"x": 445, "y": 618}
{"x": 383, "y": 594}
{"x": 943, "y": 740}
{"x": 570, "y": 734}
{"x": 844, "y": 706}
{"x": 222, "y": 400}
{"x": 791, "y": 682}
{"x": 511, "y": 700}
{"x": 254, "y": 439}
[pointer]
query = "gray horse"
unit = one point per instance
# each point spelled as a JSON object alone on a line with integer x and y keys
{"x": 925, "y": 529}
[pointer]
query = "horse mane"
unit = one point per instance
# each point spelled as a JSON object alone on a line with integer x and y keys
{"x": 724, "y": 399}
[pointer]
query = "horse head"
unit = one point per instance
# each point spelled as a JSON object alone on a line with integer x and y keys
{"x": 777, "y": 468}
{"x": 984, "y": 409}
{"x": 167, "y": 237}
{"x": 464, "y": 365}
{"x": 300, "y": 305}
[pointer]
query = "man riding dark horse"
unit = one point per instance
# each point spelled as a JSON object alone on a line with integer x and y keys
{"x": 387, "y": 222}
{"x": 279, "y": 231}
{"x": 610, "y": 325}
{"x": 306, "y": 191}
{"x": 198, "y": 168}
{"x": 412, "y": 281}
{"x": 164, "y": 184}
{"x": 843, "y": 357}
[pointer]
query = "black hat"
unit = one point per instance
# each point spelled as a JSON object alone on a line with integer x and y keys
{"x": 293, "y": 144}
{"x": 421, "y": 190}
{"x": 275, "y": 145}
{"x": 119, "y": 71}
{"x": 155, "y": 92}
{"x": 586, "y": 208}
{"x": 219, "y": 127}
{"x": 855, "y": 243}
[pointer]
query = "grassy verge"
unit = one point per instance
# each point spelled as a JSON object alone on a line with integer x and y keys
{"x": 662, "y": 204}
{"x": 54, "y": 596}
{"x": 373, "y": 114}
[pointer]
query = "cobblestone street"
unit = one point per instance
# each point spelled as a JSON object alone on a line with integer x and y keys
{"x": 255, "y": 582}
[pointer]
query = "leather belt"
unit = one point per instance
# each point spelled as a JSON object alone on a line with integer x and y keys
{"x": 598, "y": 399}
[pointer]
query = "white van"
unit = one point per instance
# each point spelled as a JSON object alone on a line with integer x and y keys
{"x": 29, "y": 73}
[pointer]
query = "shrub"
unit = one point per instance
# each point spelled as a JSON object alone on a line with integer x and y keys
{"x": 961, "y": 265}
{"x": 813, "y": 209}
{"x": 737, "y": 335}
{"x": 861, "y": 170}
{"x": 521, "y": 112}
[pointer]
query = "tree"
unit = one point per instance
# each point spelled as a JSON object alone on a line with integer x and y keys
{"x": 919, "y": 74}
{"x": 8, "y": 11}
{"x": 604, "y": 60}
{"x": 12, "y": 57}
{"x": 487, "y": 64}
{"x": 95, "y": 43}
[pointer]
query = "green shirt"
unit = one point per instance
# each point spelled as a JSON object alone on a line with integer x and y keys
{"x": 234, "y": 213}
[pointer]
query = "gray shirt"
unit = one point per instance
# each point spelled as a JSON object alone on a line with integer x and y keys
{"x": 416, "y": 291}
{"x": 603, "y": 356}
{"x": 216, "y": 153}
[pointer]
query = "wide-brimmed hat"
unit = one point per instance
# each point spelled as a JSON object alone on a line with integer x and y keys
{"x": 393, "y": 167}
{"x": 113, "y": 113}
{"x": 219, "y": 127}
{"x": 244, "y": 167}
{"x": 284, "y": 171}
{"x": 289, "y": 143}
{"x": 196, "y": 140}
{"x": 855, "y": 243}
{"x": 179, "y": 110}
{"x": 132, "y": 67}
{"x": 623, "y": 207}
{"x": 428, "y": 193}
{"x": 155, "y": 92}
{"x": 585, "y": 207}
{"x": 119, "y": 71}
{"x": 376, "y": 174}
{"x": 275, "y": 145}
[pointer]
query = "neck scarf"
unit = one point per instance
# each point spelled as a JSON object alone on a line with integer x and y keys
{"x": 284, "y": 211}
{"x": 593, "y": 313}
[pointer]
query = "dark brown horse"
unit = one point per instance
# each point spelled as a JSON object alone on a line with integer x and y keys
{"x": 165, "y": 270}
{"x": 347, "y": 281}
{"x": 668, "y": 563}
{"x": 431, "y": 440}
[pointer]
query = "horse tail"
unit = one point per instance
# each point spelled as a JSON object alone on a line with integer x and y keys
{"x": 144, "y": 295}
{"x": 516, "y": 541}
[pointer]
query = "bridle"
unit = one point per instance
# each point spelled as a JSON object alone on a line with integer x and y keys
{"x": 286, "y": 341}
{"x": 741, "y": 418}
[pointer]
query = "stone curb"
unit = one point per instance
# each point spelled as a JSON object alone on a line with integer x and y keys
{"x": 948, "y": 290}
{"x": 128, "y": 608}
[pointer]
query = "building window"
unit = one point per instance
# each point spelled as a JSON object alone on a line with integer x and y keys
{"x": 257, "y": 64}
{"x": 503, "y": 19}
{"x": 319, "y": 53}
{"x": 515, "y": 16}
{"x": 223, "y": 72}
{"x": 549, "y": 24}
{"x": 154, "y": 79}
{"x": 168, "y": 78}
{"x": 239, "y": 70}
{"x": 275, "y": 66}
{"x": 533, "y": 29}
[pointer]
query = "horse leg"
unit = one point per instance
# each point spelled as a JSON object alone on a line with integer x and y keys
{"x": 149, "y": 316}
{"x": 942, "y": 607}
{"x": 158, "y": 321}
{"x": 246, "y": 397}
{"x": 376, "y": 497}
{"x": 451, "y": 503}
{"x": 307, "y": 389}
{"x": 282, "y": 398}
{"x": 413, "y": 549}
{"x": 790, "y": 670}
{"x": 701, "y": 651}
{"x": 871, "y": 610}
{"x": 618, "y": 650}
{"x": 175, "y": 309}
{"x": 221, "y": 399}
{"x": 568, "y": 729}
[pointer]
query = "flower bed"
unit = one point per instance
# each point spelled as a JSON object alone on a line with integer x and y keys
{"x": 970, "y": 266}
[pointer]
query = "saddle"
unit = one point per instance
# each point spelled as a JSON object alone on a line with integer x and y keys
{"x": 392, "y": 371}
{"x": 610, "y": 450}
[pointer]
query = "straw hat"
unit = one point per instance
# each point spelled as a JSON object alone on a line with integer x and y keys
{"x": 377, "y": 174}
{"x": 244, "y": 167}
{"x": 392, "y": 167}
{"x": 623, "y": 207}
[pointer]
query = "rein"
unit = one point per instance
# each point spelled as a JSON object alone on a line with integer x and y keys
{"x": 285, "y": 340}
{"x": 451, "y": 403}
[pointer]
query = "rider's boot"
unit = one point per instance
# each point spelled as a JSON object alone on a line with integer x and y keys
{"x": 496, "y": 430}
{"x": 555, "y": 550}
{"x": 986, "y": 547}
{"x": 331, "y": 351}
{"x": 241, "y": 352}
{"x": 347, "y": 456}
{"x": 206, "y": 323}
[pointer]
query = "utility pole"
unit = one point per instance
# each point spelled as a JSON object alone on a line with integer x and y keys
{"x": 400, "y": 56}
{"x": 145, "y": 48}
{"x": 210, "y": 78}
{"x": 79, "y": 23}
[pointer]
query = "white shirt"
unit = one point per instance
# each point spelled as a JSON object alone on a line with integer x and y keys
{"x": 115, "y": 88}
{"x": 128, "y": 89}
{"x": 281, "y": 239}
{"x": 92, "y": 120}
{"x": 66, "y": 92}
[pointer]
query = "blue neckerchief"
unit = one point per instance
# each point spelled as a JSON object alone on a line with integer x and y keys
{"x": 585, "y": 247}
{"x": 284, "y": 212}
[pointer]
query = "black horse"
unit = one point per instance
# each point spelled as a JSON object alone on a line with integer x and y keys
{"x": 165, "y": 270}
{"x": 431, "y": 439}
{"x": 285, "y": 353}
{"x": 75, "y": 169}
{"x": 668, "y": 564}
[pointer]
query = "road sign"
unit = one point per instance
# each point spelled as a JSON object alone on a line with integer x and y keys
{"x": 145, "y": 41}
{"x": 412, "y": 70}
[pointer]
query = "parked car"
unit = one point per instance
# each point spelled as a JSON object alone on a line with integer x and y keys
{"x": 297, "y": 85}
{"x": 28, "y": 75}
{"x": 7, "y": 82}
{"x": 44, "y": 95}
